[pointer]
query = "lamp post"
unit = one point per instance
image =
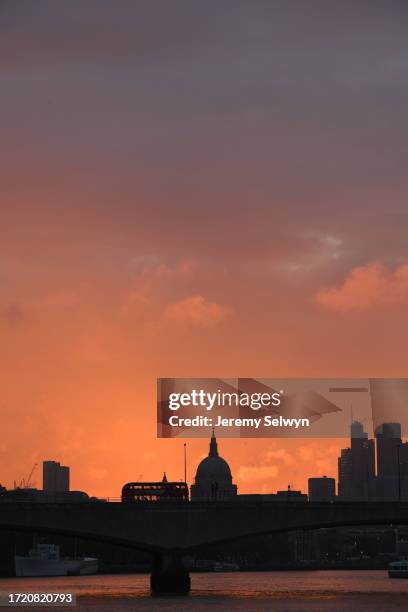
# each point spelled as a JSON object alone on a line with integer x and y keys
{"x": 185, "y": 462}
{"x": 399, "y": 471}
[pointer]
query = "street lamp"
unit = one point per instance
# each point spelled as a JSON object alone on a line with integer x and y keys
{"x": 399, "y": 471}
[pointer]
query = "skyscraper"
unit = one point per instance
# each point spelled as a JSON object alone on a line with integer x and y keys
{"x": 403, "y": 471}
{"x": 357, "y": 466}
{"x": 357, "y": 431}
{"x": 344, "y": 470}
{"x": 55, "y": 477}
{"x": 388, "y": 437}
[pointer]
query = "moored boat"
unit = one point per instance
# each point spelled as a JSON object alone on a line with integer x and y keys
{"x": 222, "y": 566}
{"x": 398, "y": 569}
{"x": 45, "y": 560}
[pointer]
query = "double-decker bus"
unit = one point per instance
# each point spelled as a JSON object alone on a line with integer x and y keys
{"x": 154, "y": 491}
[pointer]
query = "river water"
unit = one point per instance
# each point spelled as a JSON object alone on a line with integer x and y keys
{"x": 317, "y": 591}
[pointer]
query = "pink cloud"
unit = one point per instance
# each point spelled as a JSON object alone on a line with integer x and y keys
{"x": 182, "y": 270}
{"x": 197, "y": 311}
{"x": 251, "y": 473}
{"x": 281, "y": 454}
{"x": 367, "y": 287}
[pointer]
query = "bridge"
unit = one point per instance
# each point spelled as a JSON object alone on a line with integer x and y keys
{"x": 174, "y": 529}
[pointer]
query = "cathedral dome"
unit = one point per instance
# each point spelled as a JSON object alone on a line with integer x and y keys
{"x": 213, "y": 478}
{"x": 213, "y": 468}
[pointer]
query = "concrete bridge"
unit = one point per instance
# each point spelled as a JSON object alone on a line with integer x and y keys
{"x": 171, "y": 530}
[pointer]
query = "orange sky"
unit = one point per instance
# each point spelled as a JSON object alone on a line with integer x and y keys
{"x": 231, "y": 203}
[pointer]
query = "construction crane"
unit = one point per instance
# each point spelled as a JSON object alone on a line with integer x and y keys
{"x": 28, "y": 481}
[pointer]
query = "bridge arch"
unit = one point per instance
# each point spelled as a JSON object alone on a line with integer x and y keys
{"x": 301, "y": 527}
{"x": 187, "y": 527}
{"x": 92, "y": 537}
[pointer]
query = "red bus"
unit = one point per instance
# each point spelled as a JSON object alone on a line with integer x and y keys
{"x": 154, "y": 491}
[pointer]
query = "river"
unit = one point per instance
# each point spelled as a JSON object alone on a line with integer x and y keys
{"x": 317, "y": 591}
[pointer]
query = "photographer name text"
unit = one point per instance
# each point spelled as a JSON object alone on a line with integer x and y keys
{"x": 253, "y": 423}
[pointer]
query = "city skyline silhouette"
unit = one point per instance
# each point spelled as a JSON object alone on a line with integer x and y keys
{"x": 223, "y": 194}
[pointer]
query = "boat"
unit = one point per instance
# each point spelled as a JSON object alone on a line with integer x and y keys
{"x": 210, "y": 565}
{"x": 45, "y": 560}
{"x": 398, "y": 569}
{"x": 90, "y": 566}
{"x": 222, "y": 566}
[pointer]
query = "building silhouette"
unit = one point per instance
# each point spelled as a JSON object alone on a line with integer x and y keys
{"x": 213, "y": 478}
{"x": 376, "y": 470}
{"x": 55, "y": 477}
{"x": 344, "y": 473}
{"x": 388, "y": 437}
{"x": 356, "y": 466}
{"x": 321, "y": 489}
{"x": 288, "y": 494}
{"x": 403, "y": 471}
{"x": 213, "y": 481}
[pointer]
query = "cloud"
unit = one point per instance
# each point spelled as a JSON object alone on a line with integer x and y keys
{"x": 155, "y": 284}
{"x": 280, "y": 454}
{"x": 322, "y": 250}
{"x": 196, "y": 311}
{"x": 321, "y": 460}
{"x": 306, "y": 453}
{"x": 97, "y": 472}
{"x": 251, "y": 473}
{"x": 182, "y": 271}
{"x": 367, "y": 287}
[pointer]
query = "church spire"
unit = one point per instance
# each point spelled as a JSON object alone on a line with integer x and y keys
{"x": 213, "y": 445}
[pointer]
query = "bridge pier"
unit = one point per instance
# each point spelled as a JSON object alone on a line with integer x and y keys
{"x": 169, "y": 575}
